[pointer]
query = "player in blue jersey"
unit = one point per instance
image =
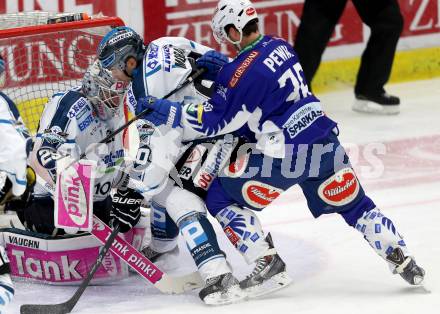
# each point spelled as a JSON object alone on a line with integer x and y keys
{"x": 262, "y": 96}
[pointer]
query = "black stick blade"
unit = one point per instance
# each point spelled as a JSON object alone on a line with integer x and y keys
{"x": 62, "y": 308}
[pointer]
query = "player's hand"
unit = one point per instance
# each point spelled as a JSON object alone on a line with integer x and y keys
{"x": 213, "y": 62}
{"x": 126, "y": 209}
{"x": 6, "y": 192}
{"x": 163, "y": 112}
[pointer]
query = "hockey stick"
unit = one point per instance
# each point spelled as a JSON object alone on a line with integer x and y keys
{"x": 66, "y": 307}
{"x": 144, "y": 267}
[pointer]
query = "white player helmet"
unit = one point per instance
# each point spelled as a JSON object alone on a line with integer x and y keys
{"x": 103, "y": 91}
{"x": 235, "y": 12}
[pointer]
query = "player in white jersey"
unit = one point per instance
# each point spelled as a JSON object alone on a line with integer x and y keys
{"x": 71, "y": 123}
{"x": 156, "y": 71}
{"x": 16, "y": 179}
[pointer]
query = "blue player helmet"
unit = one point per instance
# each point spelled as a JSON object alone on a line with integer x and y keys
{"x": 118, "y": 45}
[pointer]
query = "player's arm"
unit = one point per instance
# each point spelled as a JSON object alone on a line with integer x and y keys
{"x": 183, "y": 43}
{"x": 15, "y": 145}
{"x": 55, "y": 137}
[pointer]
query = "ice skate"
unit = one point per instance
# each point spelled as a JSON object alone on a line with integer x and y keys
{"x": 151, "y": 254}
{"x": 269, "y": 275}
{"x": 222, "y": 289}
{"x": 382, "y": 104}
{"x": 406, "y": 267}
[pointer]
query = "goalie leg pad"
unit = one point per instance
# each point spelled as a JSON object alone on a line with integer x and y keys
{"x": 244, "y": 231}
{"x": 61, "y": 261}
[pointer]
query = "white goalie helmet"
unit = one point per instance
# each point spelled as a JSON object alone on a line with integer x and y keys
{"x": 235, "y": 12}
{"x": 103, "y": 91}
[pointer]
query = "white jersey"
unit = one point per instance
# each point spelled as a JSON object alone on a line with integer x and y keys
{"x": 14, "y": 139}
{"x": 167, "y": 63}
{"x": 70, "y": 125}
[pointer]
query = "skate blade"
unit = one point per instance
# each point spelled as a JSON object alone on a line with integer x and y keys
{"x": 422, "y": 286}
{"x": 366, "y": 106}
{"x": 233, "y": 295}
{"x": 275, "y": 283}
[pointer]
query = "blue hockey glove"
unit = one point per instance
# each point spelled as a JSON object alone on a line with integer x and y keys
{"x": 163, "y": 112}
{"x": 213, "y": 62}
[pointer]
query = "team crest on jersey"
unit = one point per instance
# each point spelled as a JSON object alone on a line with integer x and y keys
{"x": 54, "y": 136}
{"x": 340, "y": 189}
{"x": 259, "y": 194}
{"x": 145, "y": 130}
{"x": 242, "y": 68}
{"x": 221, "y": 91}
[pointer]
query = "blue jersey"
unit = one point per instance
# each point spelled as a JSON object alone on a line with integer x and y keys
{"x": 262, "y": 95}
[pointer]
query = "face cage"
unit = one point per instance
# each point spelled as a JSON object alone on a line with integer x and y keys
{"x": 108, "y": 103}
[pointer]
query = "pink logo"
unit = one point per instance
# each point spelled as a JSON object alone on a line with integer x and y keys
{"x": 73, "y": 199}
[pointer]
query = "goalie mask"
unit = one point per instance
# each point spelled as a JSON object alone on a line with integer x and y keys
{"x": 103, "y": 91}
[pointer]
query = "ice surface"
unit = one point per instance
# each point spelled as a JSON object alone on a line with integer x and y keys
{"x": 334, "y": 269}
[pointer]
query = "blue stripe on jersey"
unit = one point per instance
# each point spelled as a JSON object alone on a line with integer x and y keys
{"x": 3, "y": 121}
{"x": 153, "y": 71}
{"x": 60, "y": 117}
{"x": 21, "y": 182}
{"x": 138, "y": 84}
{"x": 11, "y": 105}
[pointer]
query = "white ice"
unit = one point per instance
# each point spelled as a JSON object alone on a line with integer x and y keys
{"x": 334, "y": 269}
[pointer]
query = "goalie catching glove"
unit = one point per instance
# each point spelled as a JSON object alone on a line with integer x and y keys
{"x": 126, "y": 209}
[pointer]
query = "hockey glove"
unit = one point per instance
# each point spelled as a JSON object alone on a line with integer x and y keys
{"x": 163, "y": 112}
{"x": 7, "y": 197}
{"x": 213, "y": 62}
{"x": 126, "y": 209}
